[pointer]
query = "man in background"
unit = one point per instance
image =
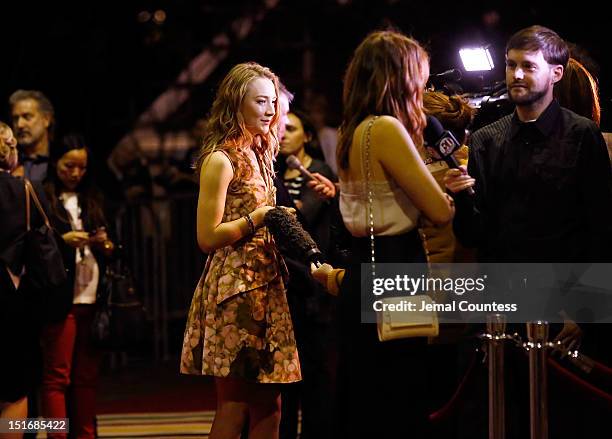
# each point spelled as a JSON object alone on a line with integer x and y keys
{"x": 33, "y": 118}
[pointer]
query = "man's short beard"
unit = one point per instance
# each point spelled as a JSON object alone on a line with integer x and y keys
{"x": 528, "y": 99}
{"x": 27, "y": 148}
{"x": 27, "y": 144}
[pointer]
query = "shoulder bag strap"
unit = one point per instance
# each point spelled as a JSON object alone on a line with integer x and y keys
{"x": 27, "y": 203}
{"x": 368, "y": 182}
{"x": 30, "y": 188}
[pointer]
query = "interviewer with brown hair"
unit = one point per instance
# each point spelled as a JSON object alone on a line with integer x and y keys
{"x": 383, "y": 106}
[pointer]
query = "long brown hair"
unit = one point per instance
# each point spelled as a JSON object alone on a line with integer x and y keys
{"x": 386, "y": 76}
{"x": 577, "y": 90}
{"x": 225, "y": 128}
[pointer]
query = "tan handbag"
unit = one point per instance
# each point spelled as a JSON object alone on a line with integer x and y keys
{"x": 393, "y": 325}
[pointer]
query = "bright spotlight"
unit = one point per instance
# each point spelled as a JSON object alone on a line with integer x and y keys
{"x": 476, "y": 59}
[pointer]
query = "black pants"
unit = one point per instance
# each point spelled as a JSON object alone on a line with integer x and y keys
{"x": 382, "y": 386}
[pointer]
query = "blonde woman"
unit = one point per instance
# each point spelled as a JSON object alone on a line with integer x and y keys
{"x": 239, "y": 329}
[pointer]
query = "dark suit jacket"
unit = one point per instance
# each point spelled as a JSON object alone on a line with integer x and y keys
{"x": 13, "y": 218}
{"x": 19, "y": 319}
{"x": 59, "y": 220}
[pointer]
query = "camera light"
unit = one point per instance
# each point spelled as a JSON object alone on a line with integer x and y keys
{"x": 476, "y": 59}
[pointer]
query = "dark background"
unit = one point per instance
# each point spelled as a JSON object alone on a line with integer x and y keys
{"x": 102, "y": 67}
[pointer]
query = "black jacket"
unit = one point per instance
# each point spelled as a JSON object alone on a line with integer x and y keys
{"x": 13, "y": 219}
{"x": 60, "y": 220}
{"x": 543, "y": 191}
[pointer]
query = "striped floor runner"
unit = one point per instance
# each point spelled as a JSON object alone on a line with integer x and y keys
{"x": 155, "y": 425}
{"x": 158, "y": 425}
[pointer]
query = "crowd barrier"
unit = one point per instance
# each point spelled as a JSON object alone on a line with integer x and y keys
{"x": 158, "y": 236}
{"x": 537, "y": 349}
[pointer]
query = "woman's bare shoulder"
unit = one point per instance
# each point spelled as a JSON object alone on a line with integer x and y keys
{"x": 217, "y": 160}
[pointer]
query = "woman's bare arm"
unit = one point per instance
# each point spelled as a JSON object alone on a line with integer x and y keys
{"x": 396, "y": 152}
{"x": 215, "y": 177}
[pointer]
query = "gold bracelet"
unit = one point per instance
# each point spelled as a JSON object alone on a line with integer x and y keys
{"x": 250, "y": 222}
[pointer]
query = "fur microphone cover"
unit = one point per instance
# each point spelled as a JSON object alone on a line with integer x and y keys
{"x": 290, "y": 237}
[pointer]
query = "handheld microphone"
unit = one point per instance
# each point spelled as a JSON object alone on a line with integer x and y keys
{"x": 443, "y": 142}
{"x": 294, "y": 163}
{"x": 291, "y": 238}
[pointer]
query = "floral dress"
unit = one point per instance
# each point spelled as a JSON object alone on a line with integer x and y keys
{"x": 239, "y": 323}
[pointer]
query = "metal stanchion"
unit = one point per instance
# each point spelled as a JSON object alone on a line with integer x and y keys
{"x": 537, "y": 333}
{"x": 496, "y": 328}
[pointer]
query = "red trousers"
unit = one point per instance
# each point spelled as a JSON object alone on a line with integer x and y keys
{"x": 70, "y": 372}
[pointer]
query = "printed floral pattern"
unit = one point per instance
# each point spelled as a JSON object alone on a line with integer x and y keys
{"x": 239, "y": 323}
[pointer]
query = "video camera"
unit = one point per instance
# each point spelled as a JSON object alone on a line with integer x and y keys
{"x": 490, "y": 101}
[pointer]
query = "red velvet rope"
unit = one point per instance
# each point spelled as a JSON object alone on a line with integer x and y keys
{"x": 604, "y": 370}
{"x": 581, "y": 383}
{"x": 584, "y": 385}
{"x": 445, "y": 411}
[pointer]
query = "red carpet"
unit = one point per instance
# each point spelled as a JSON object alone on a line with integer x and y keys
{"x": 146, "y": 388}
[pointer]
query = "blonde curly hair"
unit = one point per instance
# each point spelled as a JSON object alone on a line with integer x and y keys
{"x": 5, "y": 149}
{"x": 225, "y": 128}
